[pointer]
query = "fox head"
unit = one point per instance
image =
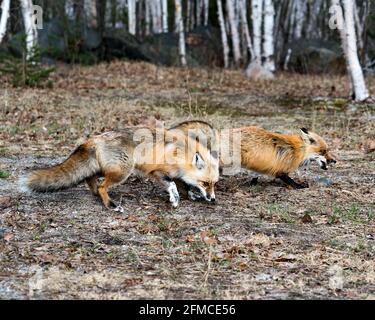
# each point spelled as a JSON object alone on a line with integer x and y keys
{"x": 316, "y": 149}
{"x": 203, "y": 174}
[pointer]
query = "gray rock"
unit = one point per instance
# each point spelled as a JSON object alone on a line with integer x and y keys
{"x": 316, "y": 57}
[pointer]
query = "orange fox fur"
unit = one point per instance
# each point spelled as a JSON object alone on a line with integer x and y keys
{"x": 278, "y": 154}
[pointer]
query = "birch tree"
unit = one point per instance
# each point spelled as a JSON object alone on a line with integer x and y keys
{"x": 257, "y": 7}
{"x": 156, "y": 16}
{"x": 345, "y": 24}
{"x": 268, "y": 44}
{"x": 245, "y": 27}
{"x": 234, "y": 32}
{"x": 147, "y": 17}
{"x": 358, "y": 81}
{"x": 164, "y": 9}
{"x": 198, "y": 8}
{"x": 300, "y": 14}
{"x": 5, "y": 6}
{"x": 132, "y": 16}
{"x": 224, "y": 37}
{"x": 30, "y": 27}
{"x": 181, "y": 42}
{"x": 206, "y": 11}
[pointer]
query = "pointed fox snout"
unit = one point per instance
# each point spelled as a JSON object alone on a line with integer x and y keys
{"x": 210, "y": 198}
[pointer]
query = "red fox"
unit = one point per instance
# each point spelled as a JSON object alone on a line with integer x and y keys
{"x": 205, "y": 134}
{"x": 279, "y": 155}
{"x": 115, "y": 155}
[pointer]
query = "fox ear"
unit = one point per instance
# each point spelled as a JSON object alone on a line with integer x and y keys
{"x": 198, "y": 161}
{"x": 306, "y": 137}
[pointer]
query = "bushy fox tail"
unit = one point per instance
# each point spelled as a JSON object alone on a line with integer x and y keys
{"x": 80, "y": 165}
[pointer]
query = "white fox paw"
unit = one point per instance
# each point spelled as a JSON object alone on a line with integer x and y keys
{"x": 174, "y": 197}
{"x": 119, "y": 209}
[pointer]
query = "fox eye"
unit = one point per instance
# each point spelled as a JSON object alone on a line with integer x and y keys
{"x": 205, "y": 183}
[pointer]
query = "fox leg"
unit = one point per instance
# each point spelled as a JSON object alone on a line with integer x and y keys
{"x": 170, "y": 186}
{"x": 92, "y": 184}
{"x": 290, "y": 182}
{"x": 112, "y": 177}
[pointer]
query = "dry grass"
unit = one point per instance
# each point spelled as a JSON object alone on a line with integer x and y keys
{"x": 254, "y": 243}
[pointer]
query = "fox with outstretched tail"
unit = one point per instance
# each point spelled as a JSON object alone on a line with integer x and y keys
{"x": 115, "y": 156}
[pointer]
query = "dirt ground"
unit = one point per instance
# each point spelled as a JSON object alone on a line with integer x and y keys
{"x": 256, "y": 242}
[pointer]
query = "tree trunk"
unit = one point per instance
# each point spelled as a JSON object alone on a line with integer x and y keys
{"x": 132, "y": 17}
{"x": 101, "y": 7}
{"x": 147, "y": 17}
{"x": 358, "y": 81}
{"x": 245, "y": 28}
{"x": 5, "y": 6}
{"x": 30, "y": 28}
{"x": 312, "y": 26}
{"x": 268, "y": 44}
{"x": 198, "y": 8}
{"x": 69, "y": 9}
{"x": 164, "y": 8}
{"x": 224, "y": 37}
{"x": 300, "y": 14}
{"x": 257, "y": 7}
{"x": 358, "y": 27}
{"x": 90, "y": 13}
{"x": 206, "y": 11}
{"x": 234, "y": 32}
{"x": 156, "y": 16}
{"x": 181, "y": 42}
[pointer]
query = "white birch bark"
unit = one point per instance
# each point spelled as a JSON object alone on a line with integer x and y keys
{"x": 30, "y": 28}
{"x": 245, "y": 28}
{"x": 224, "y": 37}
{"x": 234, "y": 32}
{"x": 206, "y": 11}
{"x": 147, "y": 17}
{"x": 358, "y": 81}
{"x": 198, "y": 8}
{"x": 132, "y": 17}
{"x": 164, "y": 9}
{"x": 181, "y": 42}
{"x": 300, "y": 13}
{"x": 69, "y": 9}
{"x": 257, "y": 7}
{"x": 5, "y": 6}
{"x": 268, "y": 43}
{"x": 156, "y": 16}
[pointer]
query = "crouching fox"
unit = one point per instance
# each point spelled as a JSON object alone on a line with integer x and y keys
{"x": 114, "y": 156}
{"x": 208, "y": 137}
